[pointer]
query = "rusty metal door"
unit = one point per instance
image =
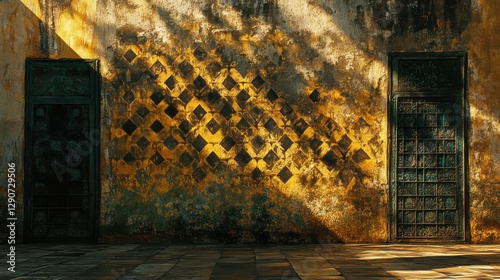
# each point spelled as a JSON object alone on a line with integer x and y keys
{"x": 427, "y": 156}
{"x": 61, "y": 155}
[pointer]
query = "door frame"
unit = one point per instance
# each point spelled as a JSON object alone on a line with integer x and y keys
{"x": 94, "y": 126}
{"x": 393, "y": 58}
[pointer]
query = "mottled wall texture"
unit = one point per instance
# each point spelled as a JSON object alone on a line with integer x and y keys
{"x": 253, "y": 121}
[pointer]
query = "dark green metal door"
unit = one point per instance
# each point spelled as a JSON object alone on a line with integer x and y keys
{"x": 62, "y": 144}
{"x": 427, "y": 146}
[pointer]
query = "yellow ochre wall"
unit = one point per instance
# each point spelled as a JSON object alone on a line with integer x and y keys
{"x": 252, "y": 121}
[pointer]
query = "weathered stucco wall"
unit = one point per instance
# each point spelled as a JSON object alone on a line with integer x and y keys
{"x": 36, "y": 29}
{"x": 242, "y": 122}
{"x": 253, "y": 121}
{"x": 484, "y": 147}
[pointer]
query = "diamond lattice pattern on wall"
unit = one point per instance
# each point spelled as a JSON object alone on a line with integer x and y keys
{"x": 191, "y": 113}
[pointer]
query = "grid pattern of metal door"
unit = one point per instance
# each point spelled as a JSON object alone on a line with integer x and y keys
{"x": 427, "y": 147}
{"x": 61, "y": 149}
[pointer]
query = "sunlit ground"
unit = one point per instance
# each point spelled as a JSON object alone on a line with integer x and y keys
{"x": 432, "y": 261}
{"x": 313, "y": 261}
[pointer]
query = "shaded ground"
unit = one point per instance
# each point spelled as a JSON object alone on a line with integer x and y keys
{"x": 330, "y": 261}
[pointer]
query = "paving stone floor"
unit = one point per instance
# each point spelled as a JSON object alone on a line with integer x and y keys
{"x": 315, "y": 261}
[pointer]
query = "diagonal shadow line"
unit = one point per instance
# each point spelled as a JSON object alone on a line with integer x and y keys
{"x": 165, "y": 14}
{"x": 48, "y": 46}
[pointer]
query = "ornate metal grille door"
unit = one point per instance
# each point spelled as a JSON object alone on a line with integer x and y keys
{"x": 427, "y": 153}
{"x": 62, "y": 142}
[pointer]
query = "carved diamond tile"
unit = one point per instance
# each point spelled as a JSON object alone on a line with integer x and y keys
{"x": 170, "y": 142}
{"x": 143, "y": 143}
{"x": 286, "y": 142}
{"x": 200, "y": 53}
{"x": 213, "y": 96}
{"x": 213, "y": 159}
{"x": 271, "y": 125}
{"x": 227, "y": 111}
{"x": 185, "y": 96}
{"x": 345, "y": 142}
{"x": 199, "y": 112}
{"x": 156, "y": 69}
{"x": 227, "y": 55}
{"x": 345, "y": 176}
{"x": 199, "y": 143}
{"x": 214, "y": 68}
{"x": 243, "y": 125}
{"x": 330, "y": 159}
{"x": 257, "y": 174}
{"x": 157, "y": 159}
{"x": 256, "y": 112}
{"x": 156, "y": 126}
{"x": 185, "y": 126}
{"x": 271, "y": 95}
{"x": 186, "y": 158}
{"x": 300, "y": 127}
{"x": 142, "y": 111}
{"x": 129, "y": 127}
{"x": 229, "y": 83}
{"x": 299, "y": 158}
{"x": 242, "y": 98}
{"x": 157, "y": 97}
{"x": 213, "y": 126}
{"x": 199, "y": 82}
{"x": 258, "y": 142}
{"x": 185, "y": 67}
{"x": 251, "y": 119}
{"x": 271, "y": 158}
{"x": 360, "y": 156}
{"x": 331, "y": 125}
{"x": 170, "y": 82}
{"x": 242, "y": 66}
{"x": 117, "y": 83}
{"x": 285, "y": 174}
{"x": 227, "y": 143}
{"x": 314, "y": 96}
{"x": 286, "y": 110}
{"x": 135, "y": 75}
{"x": 129, "y": 96}
{"x": 130, "y": 55}
{"x": 243, "y": 158}
{"x": 199, "y": 174}
{"x": 315, "y": 143}
{"x": 129, "y": 158}
{"x": 171, "y": 111}
{"x": 257, "y": 82}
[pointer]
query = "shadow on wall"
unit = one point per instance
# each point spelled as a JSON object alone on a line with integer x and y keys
{"x": 252, "y": 127}
{"x": 236, "y": 137}
{"x": 25, "y": 35}
{"x": 216, "y": 215}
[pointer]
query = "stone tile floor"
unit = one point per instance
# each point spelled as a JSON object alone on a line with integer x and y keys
{"x": 315, "y": 261}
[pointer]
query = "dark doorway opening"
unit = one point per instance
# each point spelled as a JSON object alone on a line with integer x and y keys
{"x": 61, "y": 150}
